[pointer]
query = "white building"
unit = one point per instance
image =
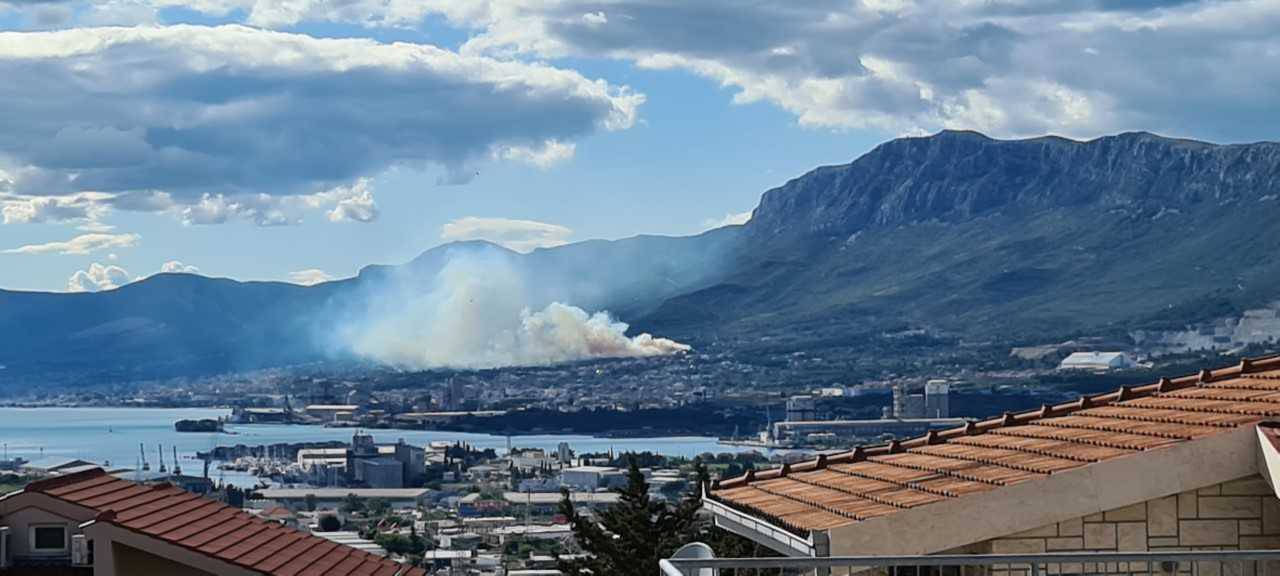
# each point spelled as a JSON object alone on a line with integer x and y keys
{"x": 937, "y": 399}
{"x": 1096, "y": 361}
{"x": 591, "y": 477}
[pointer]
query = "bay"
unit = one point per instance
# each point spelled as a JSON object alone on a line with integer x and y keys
{"x": 111, "y": 436}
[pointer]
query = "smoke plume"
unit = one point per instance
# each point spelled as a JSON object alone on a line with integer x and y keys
{"x": 478, "y": 312}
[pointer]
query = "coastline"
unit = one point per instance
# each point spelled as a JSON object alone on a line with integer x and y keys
{"x": 468, "y": 424}
{"x": 123, "y": 437}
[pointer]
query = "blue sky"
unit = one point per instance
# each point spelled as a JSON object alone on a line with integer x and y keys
{"x": 299, "y": 141}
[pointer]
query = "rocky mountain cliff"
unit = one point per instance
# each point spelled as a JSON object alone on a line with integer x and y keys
{"x": 1025, "y": 241}
{"x": 958, "y": 176}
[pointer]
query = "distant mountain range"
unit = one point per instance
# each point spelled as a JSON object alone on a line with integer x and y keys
{"x": 1025, "y": 241}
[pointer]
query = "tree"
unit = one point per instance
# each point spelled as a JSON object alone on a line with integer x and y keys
{"x": 329, "y": 523}
{"x": 378, "y": 507}
{"x": 397, "y": 544}
{"x": 352, "y": 504}
{"x": 631, "y": 536}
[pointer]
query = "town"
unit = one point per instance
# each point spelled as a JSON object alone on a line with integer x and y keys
{"x": 447, "y": 507}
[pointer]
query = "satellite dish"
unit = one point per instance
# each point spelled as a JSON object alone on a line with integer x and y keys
{"x": 697, "y": 551}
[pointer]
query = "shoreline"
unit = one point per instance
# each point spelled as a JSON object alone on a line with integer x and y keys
{"x": 625, "y": 434}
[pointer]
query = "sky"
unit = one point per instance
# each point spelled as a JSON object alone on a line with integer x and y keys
{"x": 299, "y": 140}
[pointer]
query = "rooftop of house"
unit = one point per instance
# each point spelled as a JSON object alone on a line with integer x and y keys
{"x": 870, "y": 482}
{"x": 210, "y": 528}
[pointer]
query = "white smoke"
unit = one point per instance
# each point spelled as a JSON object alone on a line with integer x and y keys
{"x": 477, "y": 313}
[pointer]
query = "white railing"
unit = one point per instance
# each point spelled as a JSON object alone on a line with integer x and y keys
{"x": 1225, "y": 562}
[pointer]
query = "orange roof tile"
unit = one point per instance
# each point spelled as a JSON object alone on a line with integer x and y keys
{"x": 843, "y": 488}
{"x": 212, "y": 528}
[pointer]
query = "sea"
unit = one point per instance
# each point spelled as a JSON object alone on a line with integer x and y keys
{"x": 112, "y": 437}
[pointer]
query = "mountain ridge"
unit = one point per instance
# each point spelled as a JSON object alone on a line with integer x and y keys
{"x": 998, "y": 240}
{"x": 896, "y": 183}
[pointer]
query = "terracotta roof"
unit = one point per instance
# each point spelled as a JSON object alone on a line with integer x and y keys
{"x": 863, "y": 483}
{"x": 212, "y": 528}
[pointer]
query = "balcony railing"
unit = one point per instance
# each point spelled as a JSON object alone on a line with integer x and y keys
{"x": 695, "y": 561}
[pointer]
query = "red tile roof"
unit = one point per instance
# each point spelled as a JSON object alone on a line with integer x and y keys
{"x": 866, "y": 482}
{"x": 212, "y": 528}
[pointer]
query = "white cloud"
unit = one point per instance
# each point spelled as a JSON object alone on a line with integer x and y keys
{"x": 309, "y": 277}
{"x": 353, "y": 203}
{"x": 83, "y": 244}
{"x": 518, "y": 235}
{"x": 220, "y": 123}
{"x": 261, "y": 209}
{"x": 732, "y": 219}
{"x": 98, "y": 277}
{"x": 176, "y": 267}
{"x": 78, "y": 208}
{"x": 1186, "y": 67}
{"x": 95, "y": 226}
{"x": 1189, "y": 67}
{"x": 544, "y": 156}
{"x": 341, "y": 203}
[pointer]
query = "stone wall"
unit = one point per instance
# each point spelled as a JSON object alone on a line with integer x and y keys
{"x": 1243, "y": 514}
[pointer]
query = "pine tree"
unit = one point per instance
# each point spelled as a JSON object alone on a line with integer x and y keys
{"x": 631, "y": 536}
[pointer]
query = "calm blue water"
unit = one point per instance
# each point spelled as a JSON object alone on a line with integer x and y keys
{"x": 49, "y": 435}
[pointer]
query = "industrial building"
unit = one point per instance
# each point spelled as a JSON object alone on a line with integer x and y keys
{"x": 589, "y": 478}
{"x": 1097, "y": 361}
{"x": 801, "y": 408}
{"x": 934, "y": 402}
{"x": 365, "y": 463}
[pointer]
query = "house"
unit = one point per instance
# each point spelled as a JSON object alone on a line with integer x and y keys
{"x": 1179, "y": 464}
{"x": 93, "y": 523}
{"x": 1097, "y": 361}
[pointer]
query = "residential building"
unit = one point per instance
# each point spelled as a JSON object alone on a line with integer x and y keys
{"x": 1185, "y": 463}
{"x": 93, "y": 523}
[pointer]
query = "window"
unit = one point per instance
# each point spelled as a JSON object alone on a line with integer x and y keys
{"x": 47, "y": 539}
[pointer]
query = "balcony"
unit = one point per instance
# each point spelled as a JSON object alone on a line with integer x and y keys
{"x": 696, "y": 560}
